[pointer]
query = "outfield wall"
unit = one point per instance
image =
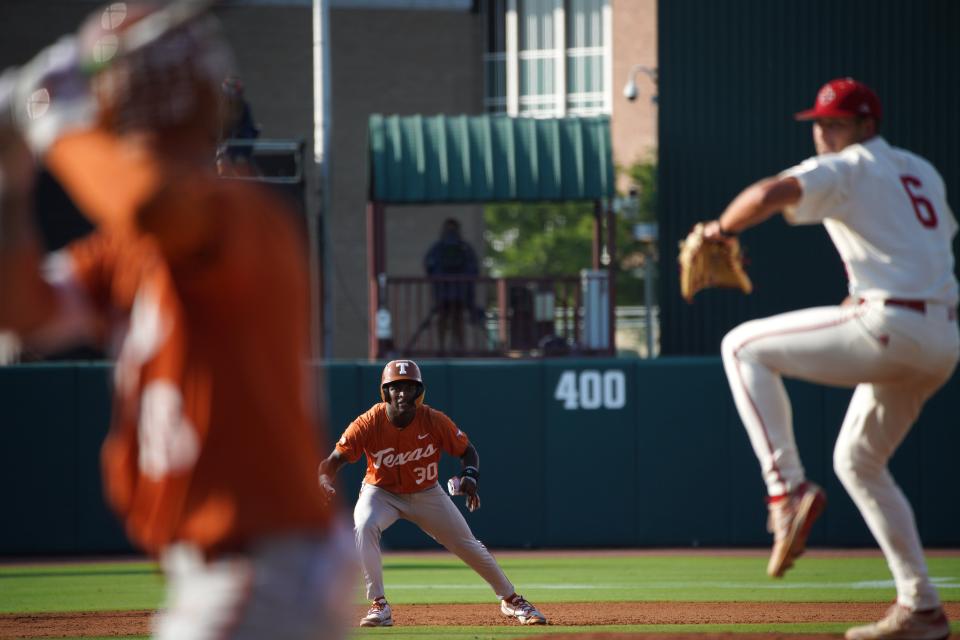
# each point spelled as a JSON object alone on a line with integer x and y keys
{"x": 574, "y": 453}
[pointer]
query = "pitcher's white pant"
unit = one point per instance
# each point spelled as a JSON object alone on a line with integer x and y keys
{"x": 896, "y": 358}
{"x": 284, "y": 588}
{"x": 434, "y": 512}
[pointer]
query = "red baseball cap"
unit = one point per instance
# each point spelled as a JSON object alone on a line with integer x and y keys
{"x": 843, "y": 98}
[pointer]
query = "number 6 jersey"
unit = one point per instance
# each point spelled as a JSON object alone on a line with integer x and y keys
{"x": 886, "y": 211}
{"x": 402, "y": 460}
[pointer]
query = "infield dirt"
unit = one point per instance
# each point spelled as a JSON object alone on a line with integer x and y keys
{"x": 128, "y": 623}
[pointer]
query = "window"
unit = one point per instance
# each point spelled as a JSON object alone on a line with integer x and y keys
{"x": 547, "y": 58}
{"x": 585, "y": 57}
{"x": 495, "y": 58}
{"x": 537, "y": 58}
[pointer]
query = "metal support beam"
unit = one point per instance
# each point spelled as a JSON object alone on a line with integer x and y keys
{"x": 597, "y": 234}
{"x": 612, "y": 274}
{"x": 376, "y": 262}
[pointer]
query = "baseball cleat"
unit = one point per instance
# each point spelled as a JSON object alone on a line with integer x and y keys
{"x": 902, "y": 623}
{"x": 517, "y": 607}
{"x": 791, "y": 517}
{"x": 379, "y": 615}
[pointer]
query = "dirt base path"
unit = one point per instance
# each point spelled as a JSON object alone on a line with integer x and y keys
{"x": 127, "y": 623}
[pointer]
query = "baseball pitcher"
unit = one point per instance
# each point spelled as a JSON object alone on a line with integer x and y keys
{"x": 894, "y": 339}
{"x": 402, "y": 439}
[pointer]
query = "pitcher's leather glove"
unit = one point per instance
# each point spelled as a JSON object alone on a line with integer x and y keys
{"x": 708, "y": 262}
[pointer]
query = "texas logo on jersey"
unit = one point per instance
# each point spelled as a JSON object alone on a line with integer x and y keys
{"x": 402, "y": 460}
{"x": 390, "y": 458}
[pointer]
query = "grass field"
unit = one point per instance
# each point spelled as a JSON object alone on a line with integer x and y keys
{"x": 545, "y": 578}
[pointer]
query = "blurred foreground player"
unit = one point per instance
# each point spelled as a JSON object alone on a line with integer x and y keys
{"x": 200, "y": 287}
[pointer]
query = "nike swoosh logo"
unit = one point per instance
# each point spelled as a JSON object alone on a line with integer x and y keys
{"x": 421, "y": 437}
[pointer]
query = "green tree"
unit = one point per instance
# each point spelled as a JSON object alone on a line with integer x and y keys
{"x": 539, "y": 239}
{"x": 643, "y": 176}
{"x": 555, "y": 239}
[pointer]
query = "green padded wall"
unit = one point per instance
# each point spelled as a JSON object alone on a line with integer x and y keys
{"x": 574, "y": 453}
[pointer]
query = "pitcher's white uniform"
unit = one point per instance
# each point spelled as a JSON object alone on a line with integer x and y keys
{"x": 886, "y": 211}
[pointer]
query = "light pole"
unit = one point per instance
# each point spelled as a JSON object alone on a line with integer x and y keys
{"x": 647, "y": 233}
{"x": 630, "y": 90}
{"x": 321, "y": 320}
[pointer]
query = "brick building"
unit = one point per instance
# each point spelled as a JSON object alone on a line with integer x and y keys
{"x": 519, "y": 57}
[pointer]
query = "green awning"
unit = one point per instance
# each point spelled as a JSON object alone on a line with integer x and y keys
{"x": 446, "y": 159}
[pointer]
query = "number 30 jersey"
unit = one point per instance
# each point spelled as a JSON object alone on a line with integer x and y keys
{"x": 402, "y": 460}
{"x": 886, "y": 211}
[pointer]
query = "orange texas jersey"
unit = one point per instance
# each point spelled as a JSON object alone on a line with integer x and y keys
{"x": 214, "y": 438}
{"x": 121, "y": 185}
{"x": 402, "y": 460}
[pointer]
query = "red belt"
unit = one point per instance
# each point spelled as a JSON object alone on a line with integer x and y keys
{"x": 920, "y": 306}
{"x": 914, "y": 305}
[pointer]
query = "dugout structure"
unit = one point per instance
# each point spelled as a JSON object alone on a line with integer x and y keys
{"x": 460, "y": 159}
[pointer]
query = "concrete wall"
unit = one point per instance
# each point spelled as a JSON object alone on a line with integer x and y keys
{"x": 401, "y": 62}
{"x": 272, "y": 47}
{"x": 383, "y": 61}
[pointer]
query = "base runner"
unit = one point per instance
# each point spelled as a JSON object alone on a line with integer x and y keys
{"x": 402, "y": 439}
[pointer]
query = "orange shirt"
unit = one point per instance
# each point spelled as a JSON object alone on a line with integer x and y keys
{"x": 215, "y": 439}
{"x": 402, "y": 460}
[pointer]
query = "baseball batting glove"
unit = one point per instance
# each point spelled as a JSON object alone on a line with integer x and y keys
{"x": 466, "y": 484}
{"x": 708, "y": 262}
{"x": 327, "y": 490}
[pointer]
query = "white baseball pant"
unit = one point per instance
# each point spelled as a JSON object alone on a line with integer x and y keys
{"x": 284, "y": 588}
{"x": 434, "y": 512}
{"x": 896, "y": 358}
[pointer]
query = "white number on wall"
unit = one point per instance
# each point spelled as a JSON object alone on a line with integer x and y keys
{"x": 590, "y": 396}
{"x": 591, "y": 389}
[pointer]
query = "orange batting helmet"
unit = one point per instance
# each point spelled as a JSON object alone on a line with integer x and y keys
{"x": 401, "y": 370}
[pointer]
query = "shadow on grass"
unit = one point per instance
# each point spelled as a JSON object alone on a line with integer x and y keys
{"x": 119, "y": 571}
